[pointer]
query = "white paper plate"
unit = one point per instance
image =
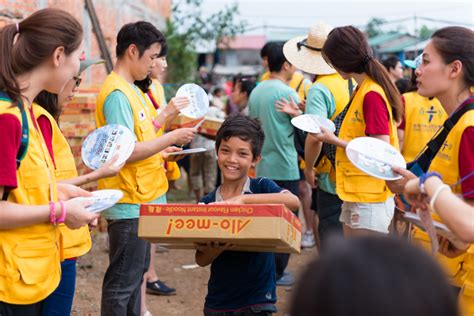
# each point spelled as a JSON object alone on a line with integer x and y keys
{"x": 188, "y": 151}
{"x": 311, "y": 122}
{"x": 198, "y": 100}
{"x": 375, "y": 157}
{"x": 102, "y": 200}
{"x": 104, "y": 143}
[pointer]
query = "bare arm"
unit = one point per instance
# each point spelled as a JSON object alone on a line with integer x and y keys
{"x": 13, "y": 215}
{"x": 286, "y": 197}
{"x": 457, "y": 213}
{"x": 108, "y": 169}
{"x": 151, "y": 147}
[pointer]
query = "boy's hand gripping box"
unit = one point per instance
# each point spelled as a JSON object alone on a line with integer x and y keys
{"x": 266, "y": 228}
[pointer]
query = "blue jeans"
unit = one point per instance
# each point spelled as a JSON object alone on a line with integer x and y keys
{"x": 60, "y": 301}
{"x": 129, "y": 257}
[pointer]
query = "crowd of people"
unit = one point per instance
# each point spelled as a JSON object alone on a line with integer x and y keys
{"x": 257, "y": 157}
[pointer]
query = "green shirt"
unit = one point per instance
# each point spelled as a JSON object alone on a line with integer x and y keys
{"x": 117, "y": 110}
{"x": 320, "y": 101}
{"x": 279, "y": 157}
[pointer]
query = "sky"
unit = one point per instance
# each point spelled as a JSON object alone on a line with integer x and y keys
{"x": 265, "y": 16}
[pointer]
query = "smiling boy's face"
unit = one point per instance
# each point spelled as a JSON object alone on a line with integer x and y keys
{"x": 235, "y": 158}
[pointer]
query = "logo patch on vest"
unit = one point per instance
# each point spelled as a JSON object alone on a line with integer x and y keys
{"x": 141, "y": 115}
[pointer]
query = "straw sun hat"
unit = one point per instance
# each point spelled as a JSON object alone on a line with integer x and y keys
{"x": 305, "y": 51}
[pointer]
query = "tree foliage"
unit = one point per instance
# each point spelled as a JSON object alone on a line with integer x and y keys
{"x": 373, "y": 27}
{"x": 189, "y": 27}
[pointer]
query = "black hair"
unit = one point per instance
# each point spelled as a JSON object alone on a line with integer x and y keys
{"x": 276, "y": 58}
{"x": 49, "y": 102}
{"x": 216, "y": 90}
{"x": 403, "y": 85}
{"x": 144, "y": 84}
{"x": 244, "y": 127}
{"x": 266, "y": 49}
{"x": 390, "y": 62}
{"x": 373, "y": 276}
{"x": 247, "y": 85}
{"x": 142, "y": 34}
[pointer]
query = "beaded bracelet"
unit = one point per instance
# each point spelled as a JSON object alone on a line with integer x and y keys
{"x": 52, "y": 213}
{"x": 62, "y": 218}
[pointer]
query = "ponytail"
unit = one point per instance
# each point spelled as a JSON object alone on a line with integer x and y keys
{"x": 8, "y": 82}
{"x": 27, "y": 44}
{"x": 347, "y": 49}
{"x": 375, "y": 70}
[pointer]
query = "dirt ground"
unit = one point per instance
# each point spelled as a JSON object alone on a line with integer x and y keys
{"x": 190, "y": 284}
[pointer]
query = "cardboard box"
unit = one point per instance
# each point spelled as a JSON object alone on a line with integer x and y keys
{"x": 268, "y": 228}
{"x": 209, "y": 127}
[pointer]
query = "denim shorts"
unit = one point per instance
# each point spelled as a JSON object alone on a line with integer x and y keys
{"x": 372, "y": 216}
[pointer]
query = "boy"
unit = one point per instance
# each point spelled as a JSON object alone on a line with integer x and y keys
{"x": 241, "y": 283}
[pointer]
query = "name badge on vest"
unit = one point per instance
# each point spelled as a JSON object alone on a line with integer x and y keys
{"x": 141, "y": 115}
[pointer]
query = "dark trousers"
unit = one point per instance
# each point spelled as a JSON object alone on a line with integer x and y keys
{"x": 60, "y": 301}
{"x": 281, "y": 259}
{"x": 20, "y": 310}
{"x": 258, "y": 310}
{"x": 129, "y": 258}
{"x": 329, "y": 211}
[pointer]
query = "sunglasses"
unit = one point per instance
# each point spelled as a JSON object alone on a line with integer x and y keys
{"x": 78, "y": 81}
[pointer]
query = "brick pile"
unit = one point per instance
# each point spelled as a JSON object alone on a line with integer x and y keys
{"x": 77, "y": 121}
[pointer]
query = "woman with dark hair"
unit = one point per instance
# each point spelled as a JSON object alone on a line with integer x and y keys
{"x": 447, "y": 73}
{"x": 375, "y": 106}
{"x": 369, "y": 276}
{"x": 39, "y": 53}
{"x": 422, "y": 118}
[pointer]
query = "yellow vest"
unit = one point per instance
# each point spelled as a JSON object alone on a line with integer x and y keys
{"x": 423, "y": 117}
{"x": 297, "y": 82}
{"x": 158, "y": 93}
{"x": 141, "y": 181}
{"x": 30, "y": 256}
{"x": 353, "y": 185}
{"x": 75, "y": 242}
{"x": 339, "y": 88}
{"x": 446, "y": 162}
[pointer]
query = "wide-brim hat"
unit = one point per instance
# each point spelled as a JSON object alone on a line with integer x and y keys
{"x": 304, "y": 52}
{"x": 86, "y": 63}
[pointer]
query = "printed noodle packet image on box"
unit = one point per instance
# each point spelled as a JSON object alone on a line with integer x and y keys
{"x": 263, "y": 228}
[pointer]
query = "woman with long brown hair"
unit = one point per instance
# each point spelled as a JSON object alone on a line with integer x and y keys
{"x": 39, "y": 53}
{"x": 375, "y": 106}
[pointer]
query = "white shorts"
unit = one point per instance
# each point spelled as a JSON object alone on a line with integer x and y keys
{"x": 371, "y": 216}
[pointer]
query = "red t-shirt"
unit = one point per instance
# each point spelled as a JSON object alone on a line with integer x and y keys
{"x": 10, "y": 129}
{"x": 375, "y": 114}
{"x": 466, "y": 162}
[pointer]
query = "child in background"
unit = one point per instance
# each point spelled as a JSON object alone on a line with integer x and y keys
{"x": 241, "y": 283}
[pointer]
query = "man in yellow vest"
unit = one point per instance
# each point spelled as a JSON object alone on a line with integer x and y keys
{"x": 143, "y": 178}
{"x": 327, "y": 97}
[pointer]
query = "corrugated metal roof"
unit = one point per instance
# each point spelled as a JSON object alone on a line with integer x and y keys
{"x": 383, "y": 38}
{"x": 399, "y": 46}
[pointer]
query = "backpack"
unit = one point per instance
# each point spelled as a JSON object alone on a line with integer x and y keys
{"x": 24, "y": 136}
